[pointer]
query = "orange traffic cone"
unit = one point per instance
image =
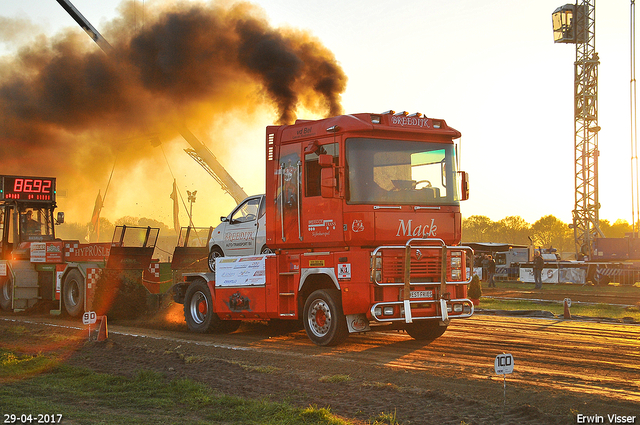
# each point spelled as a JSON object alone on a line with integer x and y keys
{"x": 567, "y": 313}
{"x": 103, "y": 333}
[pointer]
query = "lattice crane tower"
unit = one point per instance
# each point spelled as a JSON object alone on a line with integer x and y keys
{"x": 575, "y": 24}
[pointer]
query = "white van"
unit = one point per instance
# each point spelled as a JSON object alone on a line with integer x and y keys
{"x": 241, "y": 233}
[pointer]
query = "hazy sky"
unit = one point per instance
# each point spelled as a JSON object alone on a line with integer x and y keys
{"x": 490, "y": 69}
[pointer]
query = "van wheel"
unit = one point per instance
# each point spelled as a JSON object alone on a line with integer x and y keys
{"x": 215, "y": 253}
{"x": 199, "y": 311}
{"x": 265, "y": 250}
{"x": 73, "y": 293}
{"x": 425, "y": 329}
{"x": 6, "y": 293}
{"x": 323, "y": 318}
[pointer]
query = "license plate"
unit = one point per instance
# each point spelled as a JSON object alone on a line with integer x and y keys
{"x": 421, "y": 294}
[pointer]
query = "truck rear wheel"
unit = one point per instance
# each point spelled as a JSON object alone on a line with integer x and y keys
{"x": 425, "y": 330}
{"x": 73, "y": 293}
{"x": 215, "y": 253}
{"x": 323, "y": 318}
{"x": 199, "y": 312}
{"x": 6, "y": 293}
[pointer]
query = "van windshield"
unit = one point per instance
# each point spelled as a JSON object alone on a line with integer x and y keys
{"x": 382, "y": 171}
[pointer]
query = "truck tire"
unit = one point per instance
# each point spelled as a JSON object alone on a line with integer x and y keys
{"x": 199, "y": 312}
{"x": 323, "y": 318}
{"x": 215, "y": 253}
{"x": 425, "y": 330}
{"x": 6, "y": 293}
{"x": 73, "y": 293}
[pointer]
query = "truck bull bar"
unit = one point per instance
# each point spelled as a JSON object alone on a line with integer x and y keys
{"x": 444, "y": 296}
{"x": 461, "y": 303}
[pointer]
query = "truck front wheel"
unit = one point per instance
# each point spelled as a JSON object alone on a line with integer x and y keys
{"x": 73, "y": 293}
{"x": 6, "y": 293}
{"x": 323, "y": 318}
{"x": 199, "y": 313}
{"x": 425, "y": 330}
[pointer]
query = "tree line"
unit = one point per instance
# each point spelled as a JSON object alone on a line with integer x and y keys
{"x": 547, "y": 232}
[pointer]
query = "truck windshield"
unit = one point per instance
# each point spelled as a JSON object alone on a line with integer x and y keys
{"x": 397, "y": 172}
{"x": 35, "y": 224}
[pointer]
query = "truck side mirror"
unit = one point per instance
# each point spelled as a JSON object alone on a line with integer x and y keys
{"x": 60, "y": 218}
{"x": 328, "y": 181}
{"x": 325, "y": 160}
{"x": 464, "y": 184}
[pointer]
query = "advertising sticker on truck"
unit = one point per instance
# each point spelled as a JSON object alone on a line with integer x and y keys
{"x": 344, "y": 271}
{"x": 240, "y": 271}
{"x": 321, "y": 227}
{"x": 38, "y": 251}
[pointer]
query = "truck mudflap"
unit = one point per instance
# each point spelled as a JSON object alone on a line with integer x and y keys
{"x": 406, "y": 265}
{"x": 460, "y": 308}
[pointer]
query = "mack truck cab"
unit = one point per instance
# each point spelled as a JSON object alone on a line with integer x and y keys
{"x": 359, "y": 228}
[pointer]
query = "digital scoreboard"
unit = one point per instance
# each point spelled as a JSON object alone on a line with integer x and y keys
{"x": 24, "y": 188}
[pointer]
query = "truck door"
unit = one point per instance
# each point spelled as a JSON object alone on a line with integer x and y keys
{"x": 3, "y": 238}
{"x": 287, "y": 205}
{"x": 321, "y": 205}
{"x": 8, "y": 231}
{"x": 241, "y": 230}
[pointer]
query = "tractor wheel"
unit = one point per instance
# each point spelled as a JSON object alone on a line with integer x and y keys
{"x": 425, "y": 330}
{"x": 73, "y": 293}
{"x": 199, "y": 312}
{"x": 215, "y": 253}
{"x": 323, "y": 318}
{"x": 6, "y": 293}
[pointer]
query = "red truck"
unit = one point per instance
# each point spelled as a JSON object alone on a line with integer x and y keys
{"x": 363, "y": 225}
{"x": 36, "y": 267}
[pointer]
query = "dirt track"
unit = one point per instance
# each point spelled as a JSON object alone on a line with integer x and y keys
{"x": 562, "y": 368}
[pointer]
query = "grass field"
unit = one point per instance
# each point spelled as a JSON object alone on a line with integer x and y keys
{"x": 611, "y": 289}
{"x": 629, "y": 295}
{"x": 37, "y": 385}
{"x": 594, "y": 311}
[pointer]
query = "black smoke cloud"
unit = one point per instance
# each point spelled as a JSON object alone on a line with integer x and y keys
{"x": 67, "y": 108}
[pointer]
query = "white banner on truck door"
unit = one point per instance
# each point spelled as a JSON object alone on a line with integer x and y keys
{"x": 240, "y": 271}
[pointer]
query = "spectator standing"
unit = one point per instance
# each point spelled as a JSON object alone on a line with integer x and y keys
{"x": 538, "y": 264}
{"x": 491, "y": 270}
